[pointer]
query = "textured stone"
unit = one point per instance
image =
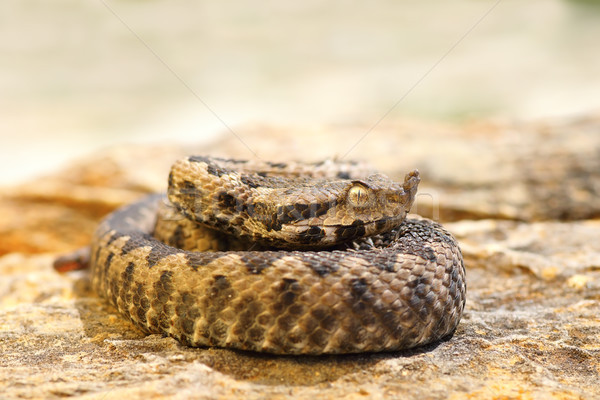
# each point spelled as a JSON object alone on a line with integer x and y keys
{"x": 531, "y": 328}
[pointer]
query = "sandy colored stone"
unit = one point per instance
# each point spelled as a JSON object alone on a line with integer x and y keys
{"x": 537, "y": 171}
{"x": 531, "y": 327}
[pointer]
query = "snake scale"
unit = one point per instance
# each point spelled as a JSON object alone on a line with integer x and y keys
{"x": 324, "y": 262}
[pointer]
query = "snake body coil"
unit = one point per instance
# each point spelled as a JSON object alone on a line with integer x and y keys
{"x": 322, "y": 264}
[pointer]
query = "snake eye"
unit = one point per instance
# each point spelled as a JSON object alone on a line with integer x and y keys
{"x": 358, "y": 195}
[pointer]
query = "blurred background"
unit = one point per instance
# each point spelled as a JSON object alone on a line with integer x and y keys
{"x": 76, "y": 76}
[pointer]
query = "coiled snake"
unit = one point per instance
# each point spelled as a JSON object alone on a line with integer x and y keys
{"x": 319, "y": 264}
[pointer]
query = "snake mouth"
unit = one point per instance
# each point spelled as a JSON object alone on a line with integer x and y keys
{"x": 331, "y": 234}
{"x": 382, "y": 222}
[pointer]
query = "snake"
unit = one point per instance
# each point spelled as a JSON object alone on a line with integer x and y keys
{"x": 281, "y": 258}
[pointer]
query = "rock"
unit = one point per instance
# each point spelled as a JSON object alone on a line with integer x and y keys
{"x": 539, "y": 171}
{"x": 530, "y": 329}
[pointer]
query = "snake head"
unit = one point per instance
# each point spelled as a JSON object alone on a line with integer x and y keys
{"x": 288, "y": 211}
{"x": 378, "y": 194}
{"x": 377, "y": 203}
{"x": 349, "y": 209}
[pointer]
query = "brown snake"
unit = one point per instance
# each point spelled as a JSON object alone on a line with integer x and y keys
{"x": 321, "y": 264}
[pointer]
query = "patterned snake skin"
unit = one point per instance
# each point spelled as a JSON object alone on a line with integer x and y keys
{"x": 325, "y": 263}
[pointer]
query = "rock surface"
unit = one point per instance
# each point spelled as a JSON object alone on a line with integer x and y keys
{"x": 521, "y": 199}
